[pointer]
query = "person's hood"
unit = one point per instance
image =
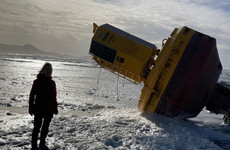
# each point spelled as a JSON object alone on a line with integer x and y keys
{"x": 42, "y": 76}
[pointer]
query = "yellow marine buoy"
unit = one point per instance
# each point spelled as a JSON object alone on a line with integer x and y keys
{"x": 178, "y": 80}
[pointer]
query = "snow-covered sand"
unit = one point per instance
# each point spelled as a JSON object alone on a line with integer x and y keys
{"x": 96, "y": 116}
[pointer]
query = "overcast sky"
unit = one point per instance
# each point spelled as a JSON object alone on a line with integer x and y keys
{"x": 65, "y": 26}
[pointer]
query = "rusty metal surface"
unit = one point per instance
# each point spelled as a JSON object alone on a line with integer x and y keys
{"x": 193, "y": 80}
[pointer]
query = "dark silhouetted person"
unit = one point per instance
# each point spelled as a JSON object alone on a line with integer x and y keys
{"x": 42, "y": 104}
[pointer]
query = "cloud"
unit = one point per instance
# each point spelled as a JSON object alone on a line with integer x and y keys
{"x": 155, "y": 20}
{"x": 65, "y": 26}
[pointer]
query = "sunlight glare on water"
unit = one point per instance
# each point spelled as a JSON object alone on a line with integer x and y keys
{"x": 76, "y": 82}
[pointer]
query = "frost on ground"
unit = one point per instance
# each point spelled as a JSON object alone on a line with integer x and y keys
{"x": 15, "y": 131}
{"x": 90, "y": 117}
{"x": 113, "y": 128}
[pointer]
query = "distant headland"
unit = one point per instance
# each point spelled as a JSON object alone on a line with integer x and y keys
{"x": 24, "y": 49}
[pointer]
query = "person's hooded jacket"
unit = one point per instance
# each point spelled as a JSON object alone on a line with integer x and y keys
{"x": 42, "y": 99}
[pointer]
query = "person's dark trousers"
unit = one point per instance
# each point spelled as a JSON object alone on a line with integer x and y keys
{"x": 39, "y": 120}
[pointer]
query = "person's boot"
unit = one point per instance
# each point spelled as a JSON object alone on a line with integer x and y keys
{"x": 34, "y": 146}
{"x": 42, "y": 145}
{"x": 34, "y": 143}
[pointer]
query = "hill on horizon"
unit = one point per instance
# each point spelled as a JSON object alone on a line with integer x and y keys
{"x": 25, "y": 49}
